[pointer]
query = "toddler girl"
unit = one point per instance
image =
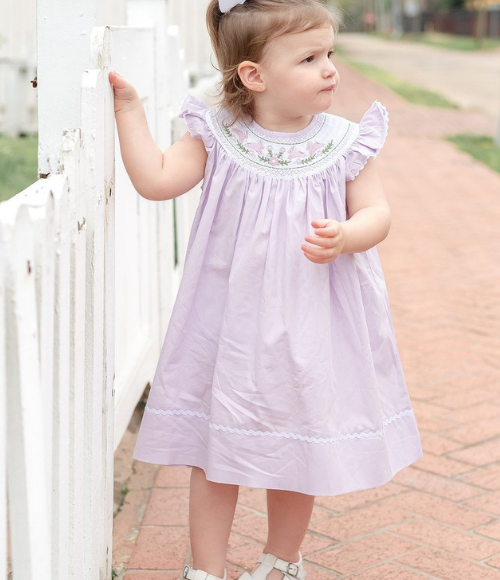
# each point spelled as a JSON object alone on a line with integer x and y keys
{"x": 280, "y": 368}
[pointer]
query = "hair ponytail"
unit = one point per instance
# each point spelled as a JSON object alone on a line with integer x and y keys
{"x": 214, "y": 16}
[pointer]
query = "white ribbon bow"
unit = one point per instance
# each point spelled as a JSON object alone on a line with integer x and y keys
{"x": 226, "y": 5}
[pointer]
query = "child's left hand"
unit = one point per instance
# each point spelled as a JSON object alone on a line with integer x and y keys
{"x": 330, "y": 236}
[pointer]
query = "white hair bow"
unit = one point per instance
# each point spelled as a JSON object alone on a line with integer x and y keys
{"x": 226, "y": 5}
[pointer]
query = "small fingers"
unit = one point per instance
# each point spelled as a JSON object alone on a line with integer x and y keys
{"x": 325, "y": 234}
{"x": 117, "y": 79}
{"x": 326, "y": 243}
{"x": 317, "y": 260}
{"x": 323, "y": 242}
{"x": 321, "y": 253}
{"x": 332, "y": 231}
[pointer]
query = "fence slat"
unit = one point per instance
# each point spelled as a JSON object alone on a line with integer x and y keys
{"x": 71, "y": 158}
{"x": 98, "y": 472}
{"x": 132, "y": 52}
{"x": 29, "y": 513}
{"x": 101, "y": 56}
{"x": 41, "y": 208}
{"x": 61, "y": 429}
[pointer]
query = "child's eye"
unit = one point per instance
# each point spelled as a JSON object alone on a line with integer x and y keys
{"x": 309, "y": 59}
{"x": 330, "y": 54}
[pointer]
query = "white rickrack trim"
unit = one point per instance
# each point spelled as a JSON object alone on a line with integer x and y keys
{"x": 226, "y": 429}
{"x": 178, "y": 412}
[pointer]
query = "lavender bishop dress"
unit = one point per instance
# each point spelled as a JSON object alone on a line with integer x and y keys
{"x": 277, "y": 372}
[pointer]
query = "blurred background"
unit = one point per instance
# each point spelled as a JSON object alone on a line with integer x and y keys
{"x": 435, "y": 66}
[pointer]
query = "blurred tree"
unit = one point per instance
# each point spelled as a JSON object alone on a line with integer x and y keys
{"x": 365, "y": 15}
{"x": 446, "y": 5}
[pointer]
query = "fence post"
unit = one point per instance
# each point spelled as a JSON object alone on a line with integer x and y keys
{"x": 68, "y": 24}
{"x": 98, "y": 190}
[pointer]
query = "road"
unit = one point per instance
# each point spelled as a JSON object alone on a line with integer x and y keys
{"x": 469, "y": 79}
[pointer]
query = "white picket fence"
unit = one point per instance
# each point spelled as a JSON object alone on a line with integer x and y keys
{"x": 74, "y": 249}
{"x": 18, "y": 44}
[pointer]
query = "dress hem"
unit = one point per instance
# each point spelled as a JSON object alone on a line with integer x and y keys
{"x": 247, "y": 482}
{"x": 286, "y": 464}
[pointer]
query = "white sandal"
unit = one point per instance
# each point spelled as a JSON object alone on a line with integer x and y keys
{"x": 192, "y": 574}
{"x": 290, "y": 570}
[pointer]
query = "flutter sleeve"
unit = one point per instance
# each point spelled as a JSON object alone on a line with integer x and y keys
{"x": 194, "y": 112}
{"x": 373, "y": 129}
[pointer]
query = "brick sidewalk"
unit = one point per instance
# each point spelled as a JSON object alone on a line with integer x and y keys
{"x": 439, "y": 518}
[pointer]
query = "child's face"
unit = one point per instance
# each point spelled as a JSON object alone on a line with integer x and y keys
{"x": 299, "y": 76}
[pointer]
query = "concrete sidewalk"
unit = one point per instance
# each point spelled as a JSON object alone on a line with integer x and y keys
{"x": 469, "y": 79}
{"x": 439, "y": 518}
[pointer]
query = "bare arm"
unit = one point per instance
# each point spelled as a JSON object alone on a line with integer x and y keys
{"x": 368, "y": 223}
{"x": 155, "y": 175}
{"x": 369, "y": 216}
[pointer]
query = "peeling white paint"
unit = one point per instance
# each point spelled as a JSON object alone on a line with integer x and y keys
{"x": 65, "y": 24}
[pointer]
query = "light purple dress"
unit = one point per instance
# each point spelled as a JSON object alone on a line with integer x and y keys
{"x": 277, "y": 372}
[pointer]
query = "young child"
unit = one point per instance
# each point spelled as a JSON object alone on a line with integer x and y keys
{"x": 280, "y": 368}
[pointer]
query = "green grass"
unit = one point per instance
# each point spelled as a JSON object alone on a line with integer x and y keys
{"x": 442, "y": 40}
{"x": 482, "y": 148}
{"x": 18, "y": 164}
{"x": 411, "y": 93}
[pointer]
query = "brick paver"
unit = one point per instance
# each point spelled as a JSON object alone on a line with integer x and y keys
{"x": 439, "y": 518}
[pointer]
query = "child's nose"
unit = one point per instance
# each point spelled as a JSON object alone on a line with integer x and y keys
{"x": 330, "y": 70}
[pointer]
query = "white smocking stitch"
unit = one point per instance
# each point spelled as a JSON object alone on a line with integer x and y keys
{"x": 285, "y": 158}
{"x": 256, "y": 433}
{"x": 313, "y": 130}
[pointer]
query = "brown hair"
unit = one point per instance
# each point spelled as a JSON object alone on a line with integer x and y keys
{"x": 244, "y": 32}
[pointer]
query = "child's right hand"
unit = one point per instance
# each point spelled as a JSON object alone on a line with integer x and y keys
{"x": 126, "y": 97}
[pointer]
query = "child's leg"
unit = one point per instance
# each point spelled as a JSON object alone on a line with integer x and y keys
{"x": 288, "y": 515}
{"x": 211, "y": 513}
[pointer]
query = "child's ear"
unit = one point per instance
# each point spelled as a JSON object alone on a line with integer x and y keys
{"x": 249, "y": 73}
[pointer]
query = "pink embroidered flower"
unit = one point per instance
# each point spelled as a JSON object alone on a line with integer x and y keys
{"x": 282, "y": 150}
{"x": 273, "y": 161}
